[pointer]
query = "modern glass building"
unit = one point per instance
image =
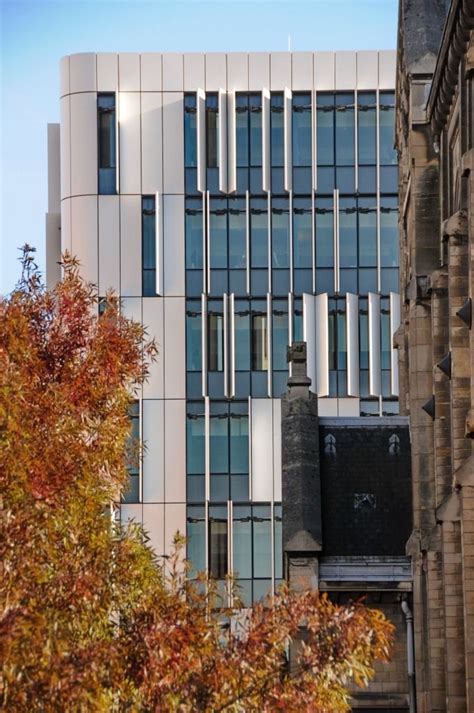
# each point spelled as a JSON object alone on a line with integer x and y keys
{"x": 236, "y": 202}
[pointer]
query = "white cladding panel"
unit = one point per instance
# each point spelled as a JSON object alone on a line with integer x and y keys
{"x": 216, "y": 71}
{"x": 309, "y": 330}
{"x": 395, "y": 317}
{"x": 367, "y": 70}
{"x": 154, "y": 450}
{"x": 194, "y": 71}
{"x": 131, "y": 512}
{"x": 151, "y": 143}
{"x": 175, "y": 451}
{"x": 173, "y": 143}
{"x": 346, "y": 70}
{"x": 82, "y": 72}
{"x": 151, "y": 71}
{"x": 131, "y": 308}
{"x": 172, "y": 72}
{"x": 153, "y": 321}
{"x": 302, "y": 71}
{"x": 238, "y": 71}
{"x": 84, "y": 235}
{"x": 175, "y": 520}
{"x": 107, "y": 72}
{"x": 262, "y": 449}
{"x": 352, "y": 343}
{"x": 154, "y": 525}
{"x": 324, "y": 71}
{"x": 277, "y": 450}
{"x": 54, "y": 169}
{"x": 66, "y": 237}
{"x": 347, "y": 407}
{"x": 327, "y": 407}
{"x": 173, "y": 245}
{"x": 109, "y": 244}
{"x": 130, "y": 246}
{"x": 83, "y": 144}
{"x": 129, "y": 72}
{"x": 65, "y": 144}
{"x": 259, "y": 70}
{"x": 130, "y": 144}
{"x": 375, "y": 376}
{"x": 280, "y": 71}
{"x": 387, "y": 69}
{"x": 64, "y": 76}
{"x": 174, "y": 339}
{"x": 53, "y": 248}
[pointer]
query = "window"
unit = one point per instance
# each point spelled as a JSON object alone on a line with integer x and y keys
{"x": 259, "y": 341}
{"x": 212, "y": 130}
{"x": 194, "y": 246}
{"x": 148, "y": 246}
{"x": 218, "y": 556}
{"x": 131, "y": 493}
{"x": 195, "y": 452}
{"x": 190, "y": 143}
{"x": 302, "y": 143}
{"x": 215, "y": 335}
{"x": 106, "y": 143}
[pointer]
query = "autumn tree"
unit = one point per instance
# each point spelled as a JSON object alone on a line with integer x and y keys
{"x": 90, "y": 620}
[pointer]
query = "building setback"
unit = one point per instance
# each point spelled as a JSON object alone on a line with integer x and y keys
{"x": 435, "y": 138}
{"x": 238, "y": 203}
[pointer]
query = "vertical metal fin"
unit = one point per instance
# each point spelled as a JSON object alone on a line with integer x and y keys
{"x": 395, "y": 317}
{"x": 352, "y": 338}
{"x": 375, "y": 375}
{"x": 201, "y": 139}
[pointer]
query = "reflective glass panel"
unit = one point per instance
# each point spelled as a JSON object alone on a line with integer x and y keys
{"x": 193, "y": 336}
{"x": 242, "y": 541}
{"x": 218, "y": 232}
{"x": 345, "y": 134}
{"x": 325, "y": 130}
{"x": 324, "y": 232}
{"x": 255, "y": 107}
{"x": 262, "y": 541}
{"x": 302, "y": 233}
{"x": 195, "y": 439}
{"x": 302, "y": 130}
{"x": 259, "y": 232}
{"x": 193, "y": 231}
{"x": 190, "y": 138}
{"x": 280, "y": 233}
{"x": 388, "y": 154}
{"x": 276, "y": 129}
{"x": 367, "y": 128}
{"x": 259, "y": 342}
{"x": 242, "y": 129}
{"x": 237, "y": 233}
{"x": 280, "y": 334}
{"x": 196, "y": 538}
{"x": 212, "y": 130}
{"x": 347, "y": 232}
{"x": 217, "y": 542}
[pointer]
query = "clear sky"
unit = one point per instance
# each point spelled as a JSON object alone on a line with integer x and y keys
{"x": 36, "y": 33}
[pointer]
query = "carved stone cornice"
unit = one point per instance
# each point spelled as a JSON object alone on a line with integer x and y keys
{"x": 459, "y": 23}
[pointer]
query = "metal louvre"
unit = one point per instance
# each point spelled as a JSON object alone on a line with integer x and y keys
{"x": 266, "y": 140}
{"x": 322, "y": 344}
{"x": 231, "y": 144}
{"x": 352, "y": 337}
{"x": 287, "y": 139}
{"x": 158, "y": 245}
{"x": 201, "y": 140}
{"x": 395, "y": 317}
{"x": 204, "y": 343}
{"x": 375, "y": 376}
{"x": 309, "y": 324}
{"x": 222, "y": 119}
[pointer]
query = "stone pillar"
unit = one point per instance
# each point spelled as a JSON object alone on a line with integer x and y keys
{"x": 301, "y": 483}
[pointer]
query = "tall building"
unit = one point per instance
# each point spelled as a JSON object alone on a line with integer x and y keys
{"x": 236, "y": 203}
{"x": 435, "y": 138}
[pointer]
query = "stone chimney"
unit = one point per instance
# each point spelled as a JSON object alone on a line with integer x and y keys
{"x": 301, "y": 482}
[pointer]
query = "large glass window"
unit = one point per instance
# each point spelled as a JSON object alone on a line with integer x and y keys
{"x": 131, "y": 493}
{"x": 388, "y": 154}
{"x": 259, "y": 340}
{"x": 280, "y": 246}
{"x": 258, "y": 233}
{"x": 195, "y": 451}
{"x": 212, "y": 130}
{"x": 193, "y": 336}
{"x": 106, "y": 122}
{"x": 237, "y": 233}
{"x": 194, "y": 246}
{"x": 196, "y": 538}
{"x": 325, "y": 129}
{"x": 367, "y": 232}
{"x": 148, "y": 246}
{"x": 190, "y": 136}
{"x": 215, "y": 335}
{"x": 218, "y": 555}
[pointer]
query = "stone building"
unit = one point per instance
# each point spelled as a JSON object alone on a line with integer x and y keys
{"x": 435, "y": 140}
{"x": 346, "y": 496}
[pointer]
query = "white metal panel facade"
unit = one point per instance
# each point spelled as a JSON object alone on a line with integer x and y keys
{"x": 153, "y": 320}
{"x": 130, "y": 142}
{"x": 107, "y": 72}
{"x": 151, "y": 72}
{"x": 173, "y": 143}
{"x": 194, "y": 71}
{"x": 82, "y": 72}
{"x": 129, "y": 71}
{"x": 130, "y": 246}
{"x": 175, "y": 454}
{"x": 154, "y": 450}
{"x": 175, "y": 340}
{"x": 151, "y": 142}
{"x": 84, "y": 237}
{"x": 238, "y": 71}
{"x": 109, "y": 244}
{"x": 83, "y": 133}
{"x": 262, "y": 449}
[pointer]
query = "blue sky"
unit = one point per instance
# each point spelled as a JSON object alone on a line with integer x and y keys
{"x": 36, "y": 33}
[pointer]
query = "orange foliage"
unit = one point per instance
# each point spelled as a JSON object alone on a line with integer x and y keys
{"x": 90, "y": 621}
